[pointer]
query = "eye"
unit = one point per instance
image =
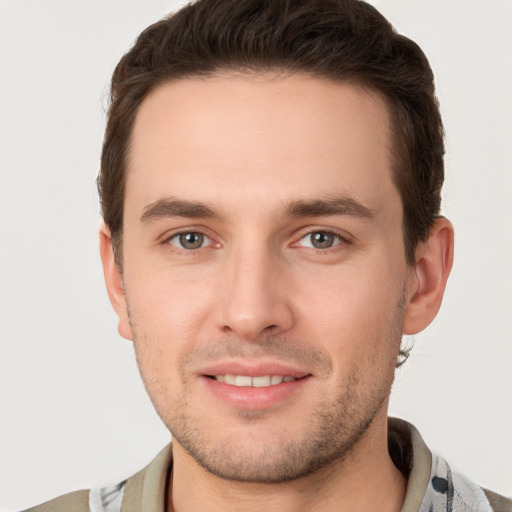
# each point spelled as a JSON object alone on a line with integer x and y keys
{"x": 321, "y": 240}
{"x": 190, "y": 240}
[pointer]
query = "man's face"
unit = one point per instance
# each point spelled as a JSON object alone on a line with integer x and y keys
{"x": 264, "y": 268}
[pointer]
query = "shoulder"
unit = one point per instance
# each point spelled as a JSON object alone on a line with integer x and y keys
{"x": 104, "y": 499}
{"x": 77, "y": 501}
{"x": 146, "y": 490}
{"x": 498, "y": 503}
{"x": 432, "y": 484}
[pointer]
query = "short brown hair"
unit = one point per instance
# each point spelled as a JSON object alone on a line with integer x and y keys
{"x": 341, "y": 40}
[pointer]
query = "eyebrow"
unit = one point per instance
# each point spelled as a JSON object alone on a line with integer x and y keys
{"x": 165, "y": 208}
{"x": 338, "y": 205}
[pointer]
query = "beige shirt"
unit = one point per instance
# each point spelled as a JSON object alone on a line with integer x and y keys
{"x": 431, "y": 487}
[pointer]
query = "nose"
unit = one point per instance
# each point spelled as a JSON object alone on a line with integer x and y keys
{"x": 255, "y": 299}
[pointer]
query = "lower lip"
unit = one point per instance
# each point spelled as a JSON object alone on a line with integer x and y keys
{"x": 252, "y": 398}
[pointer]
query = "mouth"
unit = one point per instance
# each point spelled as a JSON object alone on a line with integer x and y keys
{"x": 255, "y": 388}
{"x": 262, "y": 381}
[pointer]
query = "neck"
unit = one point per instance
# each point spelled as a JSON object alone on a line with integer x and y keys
{"x": 366, "y": 479}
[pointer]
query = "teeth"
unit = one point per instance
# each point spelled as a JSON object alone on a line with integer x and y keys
{"x": 228, "y": 379}
{"x": 261, "y": 382}
{"x": 256, "y": 382}
{"x": 242, "y": 380}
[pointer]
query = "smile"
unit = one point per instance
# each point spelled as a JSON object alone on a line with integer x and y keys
{"x": 255, "y": 382}
{"x": 254, "y": 389}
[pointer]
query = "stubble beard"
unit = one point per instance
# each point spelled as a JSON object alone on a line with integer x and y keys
{"x": 335, "y": 429}
{"x": 334, "y": 432}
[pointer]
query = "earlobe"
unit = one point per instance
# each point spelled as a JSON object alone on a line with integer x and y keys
{"x": 114, "y": 283}
{"x": 434, "y": 259}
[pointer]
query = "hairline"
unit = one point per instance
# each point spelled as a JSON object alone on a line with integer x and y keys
{"x": 396, "y": 159}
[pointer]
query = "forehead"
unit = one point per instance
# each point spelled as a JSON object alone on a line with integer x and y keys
{"x": 242, "y": 137}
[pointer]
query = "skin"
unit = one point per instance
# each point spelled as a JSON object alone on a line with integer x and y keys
{"x": 259, "y": 165}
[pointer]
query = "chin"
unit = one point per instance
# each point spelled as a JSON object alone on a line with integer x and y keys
{"x": 262, "y": 455}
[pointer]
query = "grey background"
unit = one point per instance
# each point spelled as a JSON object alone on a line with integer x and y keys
{"x": 73, "y": 410}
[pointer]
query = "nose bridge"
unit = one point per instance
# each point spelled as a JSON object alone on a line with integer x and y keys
{"x": 255, "y": 301}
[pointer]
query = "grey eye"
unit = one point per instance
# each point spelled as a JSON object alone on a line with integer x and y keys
{"x": 320, "y": 240}
{"x": 189, "y": 241}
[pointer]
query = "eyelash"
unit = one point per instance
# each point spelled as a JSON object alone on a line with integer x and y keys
{"x": 180, "y": 234}
{"x": 338, "y": 240}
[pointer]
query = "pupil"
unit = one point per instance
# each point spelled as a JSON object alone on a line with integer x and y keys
{"x": 322, "y": 240}
{"x": 191, "y": 240}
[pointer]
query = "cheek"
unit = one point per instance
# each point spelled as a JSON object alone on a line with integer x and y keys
{"x": 168, "y": 316}
{"x": 167, "y": 304}
{"x": 353, "y": 311}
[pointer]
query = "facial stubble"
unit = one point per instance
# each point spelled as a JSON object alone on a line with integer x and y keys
{"x": 335, "y": 428}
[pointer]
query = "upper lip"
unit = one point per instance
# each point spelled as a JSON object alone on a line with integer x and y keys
{"x": 253, "y": 369}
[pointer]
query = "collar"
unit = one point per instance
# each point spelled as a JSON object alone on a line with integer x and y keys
{"x": 431, "y": 485}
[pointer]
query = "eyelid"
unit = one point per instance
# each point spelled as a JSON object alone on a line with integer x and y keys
{"x": 169, "y": 235}
{"x": 343, "y": 237}
{"x": 206, "y": 240}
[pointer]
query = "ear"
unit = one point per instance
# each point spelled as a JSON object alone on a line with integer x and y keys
{"x": 434, "y": 259}
{"x": 114, "y": 282}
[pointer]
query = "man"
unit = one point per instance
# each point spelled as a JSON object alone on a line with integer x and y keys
{"x": 270, "y": 187}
